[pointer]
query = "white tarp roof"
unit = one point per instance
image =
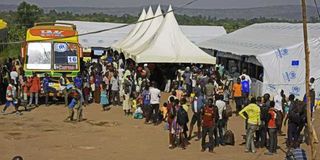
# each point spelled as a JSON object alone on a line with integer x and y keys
{"x": 170, "y": 45}
{"x": 103, "y": 39}
{"x": 261, "y": 38}
{"x": 279, "y": 48}
{"x": 196, "y": 34}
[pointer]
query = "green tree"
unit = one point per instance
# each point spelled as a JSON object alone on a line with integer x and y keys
{"x": 28, "y": 14}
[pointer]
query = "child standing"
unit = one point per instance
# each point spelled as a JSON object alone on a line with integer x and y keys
{"x": 11, "y": 97}
{"x": 134, "y": 101}
{"x": 163, "y": 112}
{"x": 182, "y": 120}
{"x": 25, "y": 90}
{"x": 171, "y": 114}
{"x": 104, "y": 98}
{"x": 127, "y": 85}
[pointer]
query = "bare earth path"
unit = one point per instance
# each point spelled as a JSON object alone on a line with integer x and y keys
{"x": 42, "y": 135}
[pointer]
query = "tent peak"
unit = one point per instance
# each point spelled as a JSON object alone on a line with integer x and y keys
{"x": 158, "y": 11}
{"x": 150, "y": 9}
{"x": 170, "y": 8}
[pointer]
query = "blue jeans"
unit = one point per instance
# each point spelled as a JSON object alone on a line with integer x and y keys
{"x": 221, "y": 125}
{"x": 251, "y": 129}
{"x": 273, "y": 140}
{"x": 8, "y": 103}
{"x": 293, "y": 133}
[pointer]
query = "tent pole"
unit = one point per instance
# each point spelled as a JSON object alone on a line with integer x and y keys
{"x": 307, "y": 61}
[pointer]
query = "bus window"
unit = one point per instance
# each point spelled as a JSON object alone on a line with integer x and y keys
{"x": 65, "y": 56}
{"x": 39, "y": 55}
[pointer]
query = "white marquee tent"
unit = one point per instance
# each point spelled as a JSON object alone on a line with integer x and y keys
{"x": 170, "y": 45}
{"x": 279, "y": 49}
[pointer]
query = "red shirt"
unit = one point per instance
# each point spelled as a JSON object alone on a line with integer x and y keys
{"x": 272, "y": 120}
{"x": 35, "y": 85}
{"x": 208, "y": 118}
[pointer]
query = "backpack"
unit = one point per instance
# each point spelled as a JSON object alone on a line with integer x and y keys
{"x": 229, "y": 138}
{"x": 182, "y": 117}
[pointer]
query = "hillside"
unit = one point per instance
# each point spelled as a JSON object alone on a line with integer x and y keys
{"x": 281, "y": 12}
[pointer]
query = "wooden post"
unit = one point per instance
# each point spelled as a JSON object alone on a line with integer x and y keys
{"x": 307, "y": 61}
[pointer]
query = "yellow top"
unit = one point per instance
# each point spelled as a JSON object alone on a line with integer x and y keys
{"x": 3, "y": 24}
{"x": 52, "y": 33}
{"x": 253, "y": 112}
{"x": 134, "y": 104}
{"x": 185, "y": 107}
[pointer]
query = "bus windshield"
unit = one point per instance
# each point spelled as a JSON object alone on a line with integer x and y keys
{"x": 39, "y": 55}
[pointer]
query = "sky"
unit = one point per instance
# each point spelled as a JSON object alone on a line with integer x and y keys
{"x": 203, "y": 4}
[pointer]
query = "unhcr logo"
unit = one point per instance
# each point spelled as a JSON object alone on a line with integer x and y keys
{"x": 288, "y": 76}
{"x": 281, "y": 52}
{"x": 295, "y": 90}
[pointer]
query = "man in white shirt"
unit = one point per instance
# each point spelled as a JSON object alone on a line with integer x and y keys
{"x": 278, "y": 101}
{"x": 115, "y": 89}
{"x": 14, "y": 76}
{"x": 155, "y": 102}
{"x": 278, "y": 107}
{"x": 221, "y": 105}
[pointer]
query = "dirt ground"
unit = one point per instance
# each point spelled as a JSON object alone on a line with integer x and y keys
{"x": 42, "y": 135}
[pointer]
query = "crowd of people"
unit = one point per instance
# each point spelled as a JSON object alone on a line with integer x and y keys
{"x": 204, "y": 90}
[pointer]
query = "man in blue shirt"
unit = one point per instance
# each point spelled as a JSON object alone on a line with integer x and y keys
{"x": 146, "y": 95}
{"x": 245, "y": 90}
{"x": 78, "y": 81}
{"x": 47, "y": 89}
